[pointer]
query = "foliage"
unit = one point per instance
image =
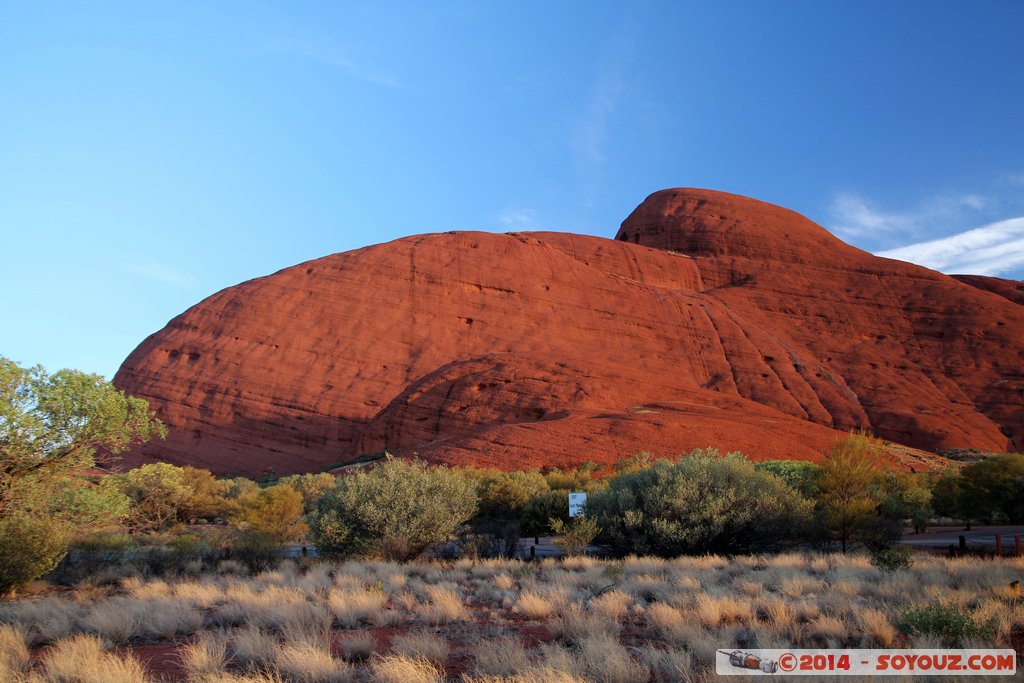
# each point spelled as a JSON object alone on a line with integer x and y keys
{"x": 893, "y": 558}
{"x": 52, "y": 428}
{"x": 397, "y": 511}
{"x": 30, "y": 546}
{"x": 206, "y": 499}
{"x": 951, "y": 623}
{"x": 55, "y": 424}
{"x": 704, "y": 503}
{"x": 158, "y": 493}
{"x": 578, "y": 479}
{"x": 993, "y": 489}
{"x": 849, "y": 488}
{"x": 505, "y": 494}
{"x": 945, "y": 492}
{"x": 572, "y": 538}
{"x": 311, "y": 486}
{"x": 537, "y": 514}
{"x": 274, "y": 512}
{"x": 800, "y": 475}
{"x": 906, "y": 496}
{"x": 635, "y": 462}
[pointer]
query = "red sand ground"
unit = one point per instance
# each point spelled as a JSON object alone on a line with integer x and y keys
{"x": 712, "y": 320}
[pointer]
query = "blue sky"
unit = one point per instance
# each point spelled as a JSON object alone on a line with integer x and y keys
{"x": 154, "y": 153}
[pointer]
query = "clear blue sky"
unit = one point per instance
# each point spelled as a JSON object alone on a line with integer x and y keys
{"x": 154, "y": 153}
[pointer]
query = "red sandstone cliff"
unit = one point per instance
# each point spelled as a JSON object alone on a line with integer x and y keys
{"x": 712, "y": 319}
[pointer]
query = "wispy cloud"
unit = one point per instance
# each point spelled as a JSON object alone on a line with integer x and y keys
{"x": 518, "y": 219}
{"x": 989, "y": 250}
{"x": 855, "y": 217}
{"x": 339, "y": 58}
{"x": 593, "y": 128}
{"x": 160, "y": 272}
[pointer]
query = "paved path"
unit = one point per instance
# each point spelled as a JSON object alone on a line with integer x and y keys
{"x": 977, "y": 537}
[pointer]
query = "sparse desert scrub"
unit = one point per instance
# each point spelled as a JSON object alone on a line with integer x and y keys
{"x": 657, "y": 619}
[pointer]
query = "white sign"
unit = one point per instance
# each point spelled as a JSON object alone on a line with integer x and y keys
{"x": 577, "y": 501}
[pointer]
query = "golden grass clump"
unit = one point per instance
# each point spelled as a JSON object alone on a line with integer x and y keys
{"x": 611, "y": 604}
{"x": 443, "y": 607}
{"x": 502, "y": 656}
{"x": 206, "y": 656}
{"x": 14, "y": 653}
{"x": 432, "y": 648}
{"x": 402, "y": 669}
{"x": 534, "y": 606}
{"x": 307, "y": 663}
{"x": 877, "y": 630}
{"x": 664, "y": 618}
{"x": 251, "y": 646}
{"x": 358, "y": 647}
{"x": 82, "y": 659}
{"x": 605, "y": 660}
{"x": 353, "y": 608}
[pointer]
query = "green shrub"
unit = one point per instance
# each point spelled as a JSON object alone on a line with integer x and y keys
{"x": 893, "y": 558}
{"x": 704, "y": 503}
{"x": 30, "y": 546}
{"x": 396, "y": 511}
{"x": 572, "y": 538}
{"x": 951, "y": 623}
{"x": 538, "y": 512}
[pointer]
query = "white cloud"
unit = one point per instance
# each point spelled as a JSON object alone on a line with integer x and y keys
{"x": 855, "y": 217}
{"x": 518, "y": 219}
{"x": 989, "y": 250}
{"x": 152, "y": 270}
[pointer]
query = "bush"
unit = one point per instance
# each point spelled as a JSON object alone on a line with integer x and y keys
{"x": 574, "y": 537}
{"x": 396, "y": 511}
{"x": 274, "y": 512}
{"x": 537, "y": 514}
{"x": 29, "y": 547}
{"x": 951, "y": 623}
{"x": 704, "y": 503}
{"x": 893, "y": 558}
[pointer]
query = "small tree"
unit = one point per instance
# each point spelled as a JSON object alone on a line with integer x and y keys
{"x": 274, "y": 512}
{"x": 158, "y": 492}
{"x": 849, "y": 490}
{"x": 573, "y": 537}
{"x": 311, "y": 486}
{"x": 397, "y": 511}
{"x": 52, "y": 428}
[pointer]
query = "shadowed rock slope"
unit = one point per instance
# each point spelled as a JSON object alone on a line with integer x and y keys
{"x": 711, "y": 319}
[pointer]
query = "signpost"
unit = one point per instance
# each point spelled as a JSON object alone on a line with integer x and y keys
{"x": 577, "y": 503}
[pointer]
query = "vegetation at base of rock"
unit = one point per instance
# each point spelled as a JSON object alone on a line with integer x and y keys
{"x": 704, "y": 502}
{"x": 52, "y": 429}
{"x": 395, "y": 511}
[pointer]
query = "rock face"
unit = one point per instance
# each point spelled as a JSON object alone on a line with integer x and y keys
{"x": 711, "y": 320}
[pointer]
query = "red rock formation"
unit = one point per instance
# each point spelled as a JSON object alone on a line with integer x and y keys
{"x": 711, "y": 320}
